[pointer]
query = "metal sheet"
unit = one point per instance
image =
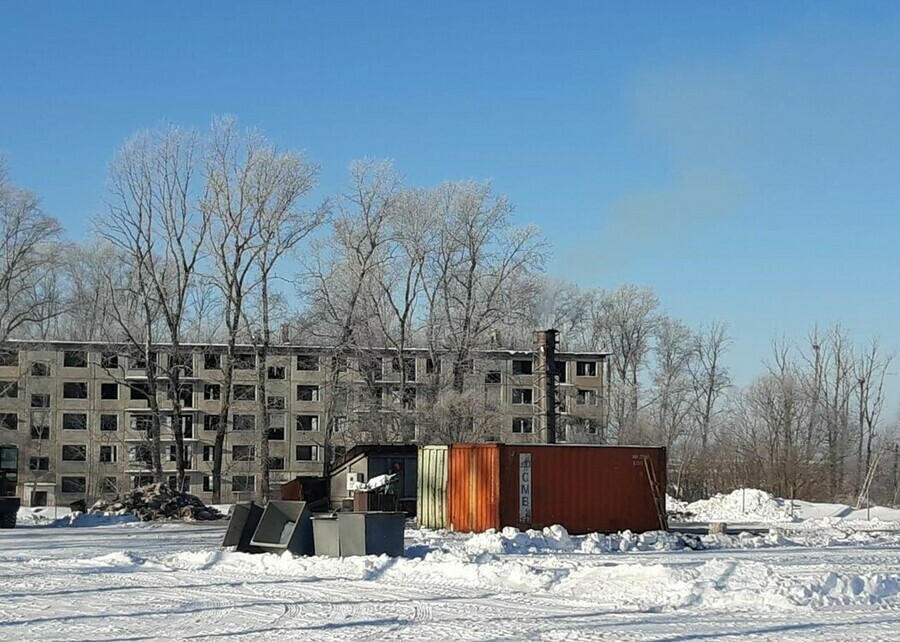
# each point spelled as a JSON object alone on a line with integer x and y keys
{"x": 431, "y": 489}
{"x": 474, "y": 487}
{"x": 584, "y": 488}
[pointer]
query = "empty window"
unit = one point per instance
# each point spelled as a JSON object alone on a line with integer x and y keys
{"x": 138, "y": 481}
{"x": 521, "y": 395}
{"x": 586, "y": 368}
{"x": 109, "y": 360}
{"x": 560, "y": 371}
{"x": 172, "y": 481}
{"x": 307, "y": 423}
{"x": 339, "y": 425}
{"x": 184, "y": 362}
{"x": 75, "y": 359}
{"x": 243, "y": 453}
{"x": 73, "y": 485}
{"x": 40, "y": 432}
{"x": 521, "y": 424}
{"x": 40, "y": 400}
{"x": 173, "y": 455}
{"x": 584, "y": 397}
{"x": 40, "y": 369}
{"x": 212, "y": 392}
{"x": 109, "y": 454}
{"x": 187, "y": 426}
{"x": 276, "y": 433}
{"x": 245, "y": 422}
{"x": 140, "y": 453}
{"x": 432, "y": 366}
{"x": 275, "y": 372}
{"x": 492, "y": 376}
{"x": 243, "y": 392}
{"x": 9, "y": 358}
{"x": 307, "y": 393}
{"x": 275, "y": 402}
{"x": 74, "y": 453}
{"x": 209, "y": 453}
{"x": 212, "y": 361}
{"x": 109, "y": 423}
{"x": 243, "y": 483}
{"x": 207, "y": 483}
{"x": 9, "y": 389}
{"x": 244, "y": 361}
{"x": 139, "y": 362}
{"x": 521, "y": 367}
{"x": 409, "y": 364}
{"x": 186, "y": 395}
{"x": 74, "y": 421}
{"x": 276, "y": 463}
{"x": 141, "y": 422}
{"x": 307, "y": 362}
{"x": 307, "y": 453}
{"x": 75, "y": 390}
{"x": 140, "y": 391}
{"x": 39, "y": 463}
{"x": 371, "y": 368}
{"x": 110, "y": 486}
{"x": 109, "y": 391}
{"x": 211, "y": 422}
{"x": 9, "y": 420}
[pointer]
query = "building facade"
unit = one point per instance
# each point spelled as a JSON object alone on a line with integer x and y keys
{"x": 79, "y": 412}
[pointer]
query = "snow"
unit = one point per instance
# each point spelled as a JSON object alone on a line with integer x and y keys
{"x": 379, "y": 481}
{"x": 750, "y": 505}
{"x": 821, "y": 577}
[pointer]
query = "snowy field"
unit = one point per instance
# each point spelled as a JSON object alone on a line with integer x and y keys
{"x": 822, "y": 578}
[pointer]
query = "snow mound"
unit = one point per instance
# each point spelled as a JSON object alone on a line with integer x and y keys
{"x": 846, "y": 589}
{"x": 742, "y": 505}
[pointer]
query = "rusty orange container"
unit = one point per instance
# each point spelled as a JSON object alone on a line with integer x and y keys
{"x": 583, "y": 488}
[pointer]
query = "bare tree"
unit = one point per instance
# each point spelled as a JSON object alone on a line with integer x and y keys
{"x": 625, "y": 321}
{"x": 338, "y": 283}
{"x": 29, "y": 257}
{"x": 155, "y": 225}
{"x": 251, "y": 200}
{"x": 480, "y": 278}
{"x": 283, "y": 225}
{"x": 871, "y": 369}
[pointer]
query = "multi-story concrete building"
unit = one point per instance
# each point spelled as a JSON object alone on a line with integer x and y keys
{"x": 79, "y": 412}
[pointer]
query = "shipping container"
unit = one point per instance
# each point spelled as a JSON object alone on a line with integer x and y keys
{"x": 431, "y": 495}
{"x": 472, "y": 488}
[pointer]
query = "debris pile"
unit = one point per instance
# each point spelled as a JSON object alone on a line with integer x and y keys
{"x": 157, "y": 502}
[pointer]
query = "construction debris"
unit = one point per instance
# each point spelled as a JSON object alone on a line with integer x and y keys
{"x": 157, "y": 502}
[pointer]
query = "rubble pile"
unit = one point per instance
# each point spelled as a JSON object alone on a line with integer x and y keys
{"x": 157, "y": 502}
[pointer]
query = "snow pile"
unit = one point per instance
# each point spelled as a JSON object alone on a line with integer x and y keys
{"x": 844, "y": 589}
{"x": 555, "y": 539}
{"x": 157, "y": 502}
{"x": 742, "y": 505}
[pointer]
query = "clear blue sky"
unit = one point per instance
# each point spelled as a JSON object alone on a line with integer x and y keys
{"x": 743, "y": 159}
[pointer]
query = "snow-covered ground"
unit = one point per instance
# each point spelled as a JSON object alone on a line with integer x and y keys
{"x": 135, "y": 581}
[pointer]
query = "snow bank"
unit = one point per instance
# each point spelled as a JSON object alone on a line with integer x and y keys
{"x": 753, "y": 505}
{"x": 742, "y": 505}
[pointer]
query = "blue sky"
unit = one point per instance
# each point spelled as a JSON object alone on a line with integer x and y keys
{"x": 741, "y": 159}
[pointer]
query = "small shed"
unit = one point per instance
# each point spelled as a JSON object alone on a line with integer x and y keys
{"x": 475, "y": 487}
{"x": 362, "y": 463}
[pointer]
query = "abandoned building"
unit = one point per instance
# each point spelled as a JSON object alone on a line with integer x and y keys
{"x": 79, "y": 412}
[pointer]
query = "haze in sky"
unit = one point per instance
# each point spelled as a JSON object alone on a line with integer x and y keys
{"x": 740, "y": 159}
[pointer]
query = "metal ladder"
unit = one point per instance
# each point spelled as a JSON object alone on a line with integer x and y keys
{"x": 654, "y": 490}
